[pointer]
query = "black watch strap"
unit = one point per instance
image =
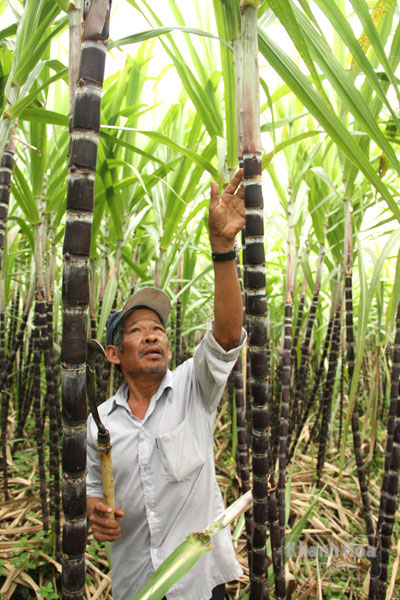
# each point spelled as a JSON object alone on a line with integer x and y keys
{"x": 220, "y": 256}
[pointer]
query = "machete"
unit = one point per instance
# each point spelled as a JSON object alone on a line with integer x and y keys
{"x": 103, "y": 437}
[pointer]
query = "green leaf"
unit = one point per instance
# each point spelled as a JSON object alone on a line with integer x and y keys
{"x": 343, "y": 28}
{"x": 26, "y": 230}
{"x": 351, "y": 98}
{"x": 182, "y": 559}
{"x": 108, "y": 301}
{"x": 8, "y": 32}
{"x": 163, "y": 139}
{"x": 284, "y": 12}
{"x": 17, "y": 108}
{"x": 41, "y": 115}
{"x": 334, "y": 126}
{"x": 37, "y": 46}
{"x": 158, "y": 31}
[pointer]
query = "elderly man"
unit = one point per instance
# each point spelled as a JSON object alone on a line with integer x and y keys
{"x": 160, "y": 423}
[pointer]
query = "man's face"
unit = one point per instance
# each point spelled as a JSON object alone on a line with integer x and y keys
{"x": 145, "y": 347}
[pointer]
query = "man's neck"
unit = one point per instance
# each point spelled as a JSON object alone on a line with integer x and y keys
{"x": 141, "y": 390}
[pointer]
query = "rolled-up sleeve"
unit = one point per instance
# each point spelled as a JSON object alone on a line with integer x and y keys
{"x": 213, "y": 365}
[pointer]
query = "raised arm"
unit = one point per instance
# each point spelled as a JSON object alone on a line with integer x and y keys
{"x": 226, "y": 219}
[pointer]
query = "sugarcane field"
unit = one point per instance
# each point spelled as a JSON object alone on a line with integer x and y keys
{"x": 200, "y": 299}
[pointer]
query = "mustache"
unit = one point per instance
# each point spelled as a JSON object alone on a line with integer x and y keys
{"x": 150, "y": 348}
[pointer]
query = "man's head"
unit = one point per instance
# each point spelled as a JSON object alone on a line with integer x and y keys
{"x": 148, "y": 297}
{"x": 136, "y": 339}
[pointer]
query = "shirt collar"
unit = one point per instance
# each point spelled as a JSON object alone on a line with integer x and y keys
{"x": 120, "y": 398}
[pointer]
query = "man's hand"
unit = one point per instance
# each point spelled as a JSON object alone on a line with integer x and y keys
{"x": 227, "y": 214}
{"x": 105, "y": 529}
{"x": 226, "y": 218}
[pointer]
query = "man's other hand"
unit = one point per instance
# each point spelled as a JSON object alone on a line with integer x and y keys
{"x": 105, "y": 528}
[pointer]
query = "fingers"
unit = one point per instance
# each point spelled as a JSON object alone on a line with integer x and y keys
{"x": 102, "y": 507}
{"x": 235, "y": 182}
{"x": 234, "y": 187}
{"x": 104, "y": 527}
{"x": 214, "y": 197}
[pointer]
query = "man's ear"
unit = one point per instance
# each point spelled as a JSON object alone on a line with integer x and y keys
{"x": 112, "y": 354}
{"x": 169, "y": 354}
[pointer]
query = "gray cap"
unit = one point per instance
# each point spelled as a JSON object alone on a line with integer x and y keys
{"x": 148, "y": 297}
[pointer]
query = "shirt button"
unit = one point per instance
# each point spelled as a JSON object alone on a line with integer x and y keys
{"x": 151, "y": 513}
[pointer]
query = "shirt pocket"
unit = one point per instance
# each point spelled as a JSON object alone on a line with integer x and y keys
{"x": 180, "y": 453}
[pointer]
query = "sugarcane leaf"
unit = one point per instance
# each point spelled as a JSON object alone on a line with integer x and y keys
{"x": 65, "y": 5}
{"x": 330, "y": 122}
{"x": 26, "y": 230}
{"x": 108, "y": 301}
{"x": 390, "y": 244}
{"x": 362, "y": 10}
{"x": 201, "y": 93}
{"x": 36, "y": 48}
{"x": 182, "y": 559}
{"x": 158, "y": 31}
{"x": 41, "y": 115}
{"x": 8, "y": 32}
{"x": 175, "y": 209}
{"x": 16, "y": 109}
{"x": 343, "y": 28}
{"x": 286, "y": 15}
{"x": 282, "y": 122}
{"x": 119, "y": 142}
{"x": 163, "y": 139}
{"x": 126, "y": 257}
{"x": 393, "y": 300}
{"x": 366, "y": 296}
{"x": 114, "y": 204}
{"x": 23, "y": 196}
{"x": 351, "y": 98}
{"x": 228, "y": 20}
{"x": 55, "y": 65}
{"x": 266, "y": 158}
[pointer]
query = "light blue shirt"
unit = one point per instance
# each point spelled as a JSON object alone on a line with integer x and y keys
{"x": 164, "y": 475}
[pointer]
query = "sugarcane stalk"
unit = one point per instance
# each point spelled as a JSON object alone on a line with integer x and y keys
{"x": 299, "y": 320}
{"x": 286, "y": 371}
{"x": 38, "y": 418}
{"x": 24, "y": 398}
{"x": 257, "y": 318}
{"x": 77, "y": 243}
{"x": 6, "y": 167}
{"x": 242, "y": 367}
{"x": 317, "y": 378}
{"x": 341, "y": 388}
{"x": 12, "y": 328}
{"x": 6, "y": 370}
{"x": 348, "y": 273}
{"x": 52, "y": 369}
{"x": 243, "y": 458}
{"x": 301, "y": 383}
{"x": 178, "y": 313}
{"x": 74, "y": 26}
{"x": 284, "y": 416}
{"x": 390, "y": 483}
{"x": 326, "y": 401}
